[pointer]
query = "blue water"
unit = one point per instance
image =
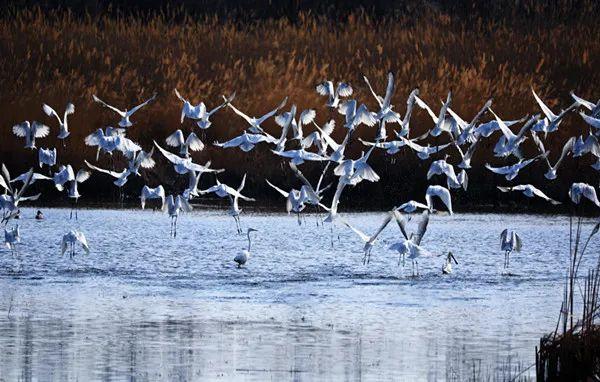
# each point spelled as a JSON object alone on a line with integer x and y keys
{"x": 146, "y": 306}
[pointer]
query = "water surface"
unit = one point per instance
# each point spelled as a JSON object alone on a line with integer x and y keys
{"x": 145, "y": 306}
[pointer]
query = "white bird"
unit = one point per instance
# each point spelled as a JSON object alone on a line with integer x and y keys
{"x": 312, "y": 195}
{"x": 411, "y": 206}
{"x": 174, "y": 206}
{"x": 234, "y": 209}
{"x": 140, "y": 159}
{"x": 11, "y": 238}
{"x": 111, "y": 140}
{"x": 488, "y": 128}
{"x": 124, "y": 114}
{"x": 410, "y": 103}
{"x": 287, "y": 119}
{"x": 199, "y": 113}
{"x": 386, "y": 114}
{"x": 594, "y": 108}
{"x": 319, "y": 137}
{"x": 356, "y": 115}
{"x": 338, "y": 148}
{"x": 243, "y": 257}
{"x": 447, "y": 267}
{"x": 69, "y": 241}
{"x": 411, "y": 245}
{"x": 192, "y": 142}
{"x": 63, "y": 125}
{"x": 343, "y": 181}
{"x": 392, "y": 147}
{"x": 588, "y": 146}
{"x": 442, "y": 193}
{"x": 34, "y": 177}
{"x": 300, "y": 156}
{"x": 62, "y": 176}
{"x": 442, "y": 124}
{"x": 467, "y": 156}
{"x": 467, "y": 130}
{"x": 424, "y": 152}
{"x": 357, "y": 170}
{"x": 47, "y": 157}
{"x": 509, "y": 241}
{"x": 509, "y": 143}
{"x": 567, "y": 148}
{"x": 255, "y": 122}
{"x": 222, "y": 190}
{"x": 510, "y": 172}
{"x": 552, "y": 121}
{"x": 583, "y": 189}
{"x": 30, "y": 131}
{"x": 153, "y": 193}
{"x": 592, "y": 121}
{"x": 73, "y": 192}
{"x": 246, "y": 142}
{"x": 9, "y": 202}
{"x": 440, "y": 167}
{"x": 369, "y": 240}
{"x": 295, "y": 200}
{"x": 120, "y": 177}
{"x": 326, "y": 89}
{"x": 529, "y": 191}
{"x": 184, "y": 165}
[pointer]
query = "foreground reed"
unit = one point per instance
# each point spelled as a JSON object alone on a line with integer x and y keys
{"x": 572, "y": 351}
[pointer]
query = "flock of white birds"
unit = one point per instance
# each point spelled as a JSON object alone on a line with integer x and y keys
{"x": 298, "y": 147}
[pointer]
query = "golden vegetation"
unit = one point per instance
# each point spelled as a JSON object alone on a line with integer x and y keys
{"x": 56, "y": 57}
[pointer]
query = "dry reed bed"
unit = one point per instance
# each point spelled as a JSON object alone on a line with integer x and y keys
{"x": 57, "y": 57}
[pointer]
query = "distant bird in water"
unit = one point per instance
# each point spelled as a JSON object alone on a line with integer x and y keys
{"x": 70, "y": 239}
{"x": 242, "y": 257}
{"x": 39, "y": 215}
{"x": 447, "y": 268}
{"x": 509, "y": 241}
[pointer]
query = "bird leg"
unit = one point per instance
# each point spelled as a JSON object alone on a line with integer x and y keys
{"x": 175, "y": 235}
{"x": 416, "y": 261}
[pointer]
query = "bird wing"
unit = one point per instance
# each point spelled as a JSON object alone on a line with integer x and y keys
{"x": 50, "y": 112}
{"x": 568, "y": 147}
{"x": 83, "y": 241}
{"x": 111, "y": 173}
{"x": 307, "y": 116}
{"x": 40, "y": 130}
{"x": 519, "y": 243}
{"x": 343, "y": 89}
{"x": 194, "y": 143}
{"x": 442, "y": 193}
{"x": 401, "y": 224}
{"x": 325, "y": 88}
{"x": 284, "y": 193}
{"x": 587, "y": 104}
{"x": 176, "y": 139}
{"x": 594, "y": 122}
{"x": 363, "y": 115}
{"x": 82, "y": 176}
{"x": 377, "y": 98}
{"x": 333, "y": 144}
{"x": 170, "y": 156}
{"x": 21, "y": 129}
{"x": 361, "y": 234}
{"x": 96, "y": 99}
{"x": 272, "y": 112}
{"x": 422, "y": 228}
{"x": 146, "y": 159}
{"x": 539, "y": 193}
{"x": 502, "y": 126}
{"x": 138, "y": 107}
{"x": 384, "y": 223}
{"x": 545, "y": 109}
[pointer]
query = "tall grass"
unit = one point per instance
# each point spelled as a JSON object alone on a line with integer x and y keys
{"x": 57, "y": 57}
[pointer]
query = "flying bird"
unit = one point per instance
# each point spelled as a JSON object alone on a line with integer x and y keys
{"x": 124, "y": 114}
{"x": 529, "y": 191}
{"x": 334, "y": 94}
{"x": 63, "y": 125}
{"x": 30, "y": 131}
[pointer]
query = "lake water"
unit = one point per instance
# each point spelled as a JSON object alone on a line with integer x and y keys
{"x": 146, "y": 306}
